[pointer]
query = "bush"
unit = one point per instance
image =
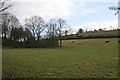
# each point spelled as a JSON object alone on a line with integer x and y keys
{"x": 45, "y": 43}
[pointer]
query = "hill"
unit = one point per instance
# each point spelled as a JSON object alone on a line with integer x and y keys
{"x": 94, "y": 34}
{"x": 81, "y": 59}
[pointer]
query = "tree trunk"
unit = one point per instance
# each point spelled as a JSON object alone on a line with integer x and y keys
{"x": 60, "y": 42}
{"x": 60, "y": 34}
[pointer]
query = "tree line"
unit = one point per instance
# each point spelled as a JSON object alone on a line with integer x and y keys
{"x": 36, "y": 32}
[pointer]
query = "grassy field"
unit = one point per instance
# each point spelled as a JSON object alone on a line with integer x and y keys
{"x": 81, "y": 59}
{"x": 111, "y": 33}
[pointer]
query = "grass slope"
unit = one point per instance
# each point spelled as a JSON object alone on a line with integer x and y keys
{"x": 111, "y": 33}
{"x": 105, "y": 33}
{"x": 81, "y": 59}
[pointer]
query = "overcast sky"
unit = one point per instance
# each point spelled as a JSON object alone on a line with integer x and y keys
{"x": 88, "y": 15}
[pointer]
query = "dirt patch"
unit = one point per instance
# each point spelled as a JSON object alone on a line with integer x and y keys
{"x": 86, "y": 63}
{"x": 10, "y": 74}
{"x": 116, "y": 58}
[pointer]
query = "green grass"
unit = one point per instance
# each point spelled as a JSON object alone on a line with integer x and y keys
{"x": 97, "y": 34}
{"x": 80, "y": 59}
{"x": 107, "y": 33}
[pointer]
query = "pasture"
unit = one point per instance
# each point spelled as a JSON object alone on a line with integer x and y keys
{"x": 79, "y": 59}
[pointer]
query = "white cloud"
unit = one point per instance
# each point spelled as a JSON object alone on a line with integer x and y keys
{"x": 76, "y": 28}
{"x": 85, "y": 11}
{"x": 58, "y": 8}
{"x": 82, "y": 9}
{"x": 92, "y": 25}
{"x": 49, "y": 8}
{"x": 109, "y": 24}
{"x": 79, "y": 0}
{"x": 44, "y": 8}
{"x": 99, "y": 0}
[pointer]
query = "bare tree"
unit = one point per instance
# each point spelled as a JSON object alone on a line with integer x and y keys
{"x": 58, "y": 27}
{"x": 7, "y": 22}
{"x": 36, "y": 25}
{"x": 4, "y": 5}
{"x": 50, "y": 30}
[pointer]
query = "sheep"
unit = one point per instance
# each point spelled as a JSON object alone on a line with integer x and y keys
{"x": 86, "y": 41}
{"x": 107, "y": 41}
{"x": 73, "y": 41}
